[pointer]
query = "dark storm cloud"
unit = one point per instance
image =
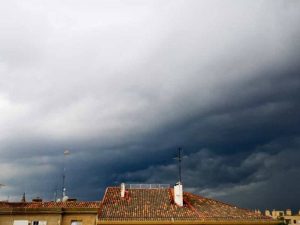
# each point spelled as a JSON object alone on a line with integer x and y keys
{"x": 266, "y": 177}
{"x": 123, "y": 84}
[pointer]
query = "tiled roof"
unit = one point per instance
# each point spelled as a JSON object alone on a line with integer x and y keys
{"x": 142, "y": 204}
{"x": 145, "y": 205}
{"x": 157, "y": 204}
{"x": 212, "y": 209}
{"x": 48, "y": 205}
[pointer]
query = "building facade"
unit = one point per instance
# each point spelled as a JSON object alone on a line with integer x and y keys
{"x": 49, "y": 213}
{"x": 286, "y": 216}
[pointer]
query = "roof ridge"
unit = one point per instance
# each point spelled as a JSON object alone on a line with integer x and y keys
{"x": 171, "y": 196}
{"x": 191, "y": 207}
{"x": 104, "y": 196}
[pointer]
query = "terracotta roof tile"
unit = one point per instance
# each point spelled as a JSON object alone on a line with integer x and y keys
{"x": 157, "y": 204}
{"x": 213, "y": 209}
{"x": 142, "y": 204}
{"x": 149, "y": 205}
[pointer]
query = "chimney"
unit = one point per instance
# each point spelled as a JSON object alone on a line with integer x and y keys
{"x": 122, "y": 190}
{"x": 178, "y": 194}
{"x": 65, "y": 197}
{"x": 288, "y": 212}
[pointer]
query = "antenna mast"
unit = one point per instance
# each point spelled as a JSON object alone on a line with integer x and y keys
{"x": 66, "y": 153}
{"x": 179, "y": 164}
{"x": 55, "y": 194}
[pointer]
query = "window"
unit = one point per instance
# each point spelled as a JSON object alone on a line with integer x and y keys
{"x": 76, "y": 222}
{"x": 39, "y": 223}
{"x": 21, "y": 222}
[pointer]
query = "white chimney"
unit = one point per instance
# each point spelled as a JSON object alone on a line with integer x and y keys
{"x": 122, "y": 190}
{"x": 178, "y": 194}
{"x": 65, "y": 198}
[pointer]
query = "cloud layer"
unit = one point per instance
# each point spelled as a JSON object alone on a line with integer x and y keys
{"x": 122, "y": 84}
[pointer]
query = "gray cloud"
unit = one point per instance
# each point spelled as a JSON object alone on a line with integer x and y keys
{"x": 123, "y": 84}
{"x": 258, "y": 179}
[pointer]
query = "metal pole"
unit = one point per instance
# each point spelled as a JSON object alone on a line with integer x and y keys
{"x": 64, "y": 178}
{"x": 179, "y": 163}
{"x": 66, "y": 152}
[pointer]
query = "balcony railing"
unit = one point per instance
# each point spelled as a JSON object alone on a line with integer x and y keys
{"x": 147, "y": 186}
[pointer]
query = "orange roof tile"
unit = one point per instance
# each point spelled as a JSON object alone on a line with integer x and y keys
{"x": 142, "y": 204}
{"x": 148, "y": 205}
{"x": 213, "y": 209}
{"x": 157, "y": 204}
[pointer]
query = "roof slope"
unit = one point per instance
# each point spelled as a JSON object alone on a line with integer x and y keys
{"x": 158, "y": 205}
{"x": 212, "y": 209}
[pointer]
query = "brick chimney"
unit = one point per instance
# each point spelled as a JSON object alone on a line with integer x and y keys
{"x": 178, "y": 194}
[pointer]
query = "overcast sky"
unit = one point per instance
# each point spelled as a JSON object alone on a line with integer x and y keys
{"x": 123, "y": 84}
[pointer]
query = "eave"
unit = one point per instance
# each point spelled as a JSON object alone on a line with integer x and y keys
{"x": 185, "y": 222}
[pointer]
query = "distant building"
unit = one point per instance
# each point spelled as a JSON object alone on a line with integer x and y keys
{"x": 286, "y": 216}
{"x": 49, "y": 213}
{"x": 132, "y": 204}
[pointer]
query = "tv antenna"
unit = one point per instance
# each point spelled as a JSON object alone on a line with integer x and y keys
{"x": 66, "y": 153}
{"x": 179, "y": 159}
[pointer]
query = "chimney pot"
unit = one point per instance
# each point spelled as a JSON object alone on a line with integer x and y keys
{"x": 65, "y": 198}
{"x": 122, "y": 190}
{"x": 288, "y": 212}
{"x": 178, "y": 194}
